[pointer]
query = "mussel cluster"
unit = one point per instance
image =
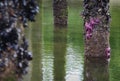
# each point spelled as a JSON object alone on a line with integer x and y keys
{"x": 14, "y": 16}
{"x": 28, "y": 12}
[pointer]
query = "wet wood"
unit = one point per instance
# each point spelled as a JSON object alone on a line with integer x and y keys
{"x": 60, "y": 12}
{"x": 96, "y": 69}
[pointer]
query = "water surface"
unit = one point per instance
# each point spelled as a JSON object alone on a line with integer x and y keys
{"x": 59, "y": 52}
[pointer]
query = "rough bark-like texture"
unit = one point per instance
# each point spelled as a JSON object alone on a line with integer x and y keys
{"x": 96, "y": 28}
{"x": 60, "y": 12}
{"x": 96, "y": 70}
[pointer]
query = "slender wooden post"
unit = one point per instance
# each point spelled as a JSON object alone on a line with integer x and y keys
{"x": 60, "y": 12}
{"x": 96, "y": 28}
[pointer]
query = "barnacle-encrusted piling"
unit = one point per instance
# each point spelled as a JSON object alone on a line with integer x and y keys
{"x": 14, "y": 54}
{"x": 60, "y": 12}
{"x": 96, "y": 28}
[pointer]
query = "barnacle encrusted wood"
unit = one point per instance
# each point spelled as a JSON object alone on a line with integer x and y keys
{"x": 14, "y": 54}
{"x": 60, "y": 12}
{"x": 96, "y": 28}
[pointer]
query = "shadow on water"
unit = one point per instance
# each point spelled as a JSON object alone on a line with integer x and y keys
{"x": 60, "y": 43}
{"x": 96, "y": 70}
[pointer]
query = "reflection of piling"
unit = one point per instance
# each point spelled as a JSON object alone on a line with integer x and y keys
{"x": 60, "y": 12}
{"x": 96, "y": 28}
{"x": 36, "y": 40}
{"x": 96, "y": 70}
{"x": 36, "y": 63}
{"x": 60, "y": 40}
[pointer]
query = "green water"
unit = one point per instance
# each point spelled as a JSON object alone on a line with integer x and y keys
{"x": 58, "y": 54}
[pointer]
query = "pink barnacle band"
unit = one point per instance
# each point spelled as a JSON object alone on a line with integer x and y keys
{"x": 107, "y": 52}
{"x": 89, "y": 26}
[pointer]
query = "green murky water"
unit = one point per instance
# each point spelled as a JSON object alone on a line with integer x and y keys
{"x": 59, "y": 53}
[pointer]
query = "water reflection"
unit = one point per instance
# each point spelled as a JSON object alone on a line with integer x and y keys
{"x": 96, "y": 70}
{"x": 36, "y": 43}
{"x": 34, "y": 35}
{"x": 56, "y": 61}
{"x": 36, "y": 63}
{"x": 60, "y": 40}
{"x": 74, "y": 63}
